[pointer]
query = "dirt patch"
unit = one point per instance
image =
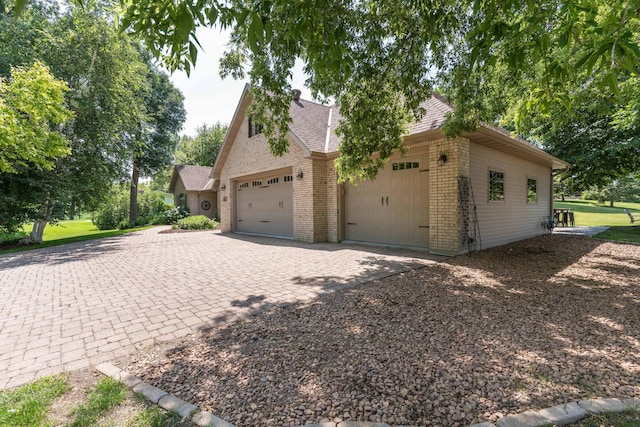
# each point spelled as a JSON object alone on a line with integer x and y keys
{"x": 525, "y": 326}
{"x": 81, "y": 381}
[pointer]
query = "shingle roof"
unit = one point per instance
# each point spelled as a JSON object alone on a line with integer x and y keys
{"x": 309, "y": 122}
{"x": 194, "y": 178}
{"x": 436, "y": 112}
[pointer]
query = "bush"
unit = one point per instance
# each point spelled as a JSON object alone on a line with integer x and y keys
{"x": 198, "y": 222}
{"x": 151, "y": 203}
{"x": 171, "y": 216}
{"x": 143, "y": 220}
{"x": 11, "y": 238}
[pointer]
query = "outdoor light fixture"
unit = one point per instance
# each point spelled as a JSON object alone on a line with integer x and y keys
{"x": 300, "y": 175}
{"x": 224, "y": 187}
{"x": 442, "y": 159}
{"x": 224, "y": 199}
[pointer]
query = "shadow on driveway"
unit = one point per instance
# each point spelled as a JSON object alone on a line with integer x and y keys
{"x": 528, "y": 325}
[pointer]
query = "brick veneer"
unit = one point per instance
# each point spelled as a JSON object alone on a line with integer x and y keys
{"x": 444, "y": 209}
{"x": 252, "y": 156}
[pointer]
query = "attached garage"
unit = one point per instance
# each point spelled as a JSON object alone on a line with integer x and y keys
{"x": 394, "y": 208}
{"x": 264, "y": 205}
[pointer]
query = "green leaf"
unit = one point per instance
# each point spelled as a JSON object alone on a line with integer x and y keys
{"x": 193, "y": 53}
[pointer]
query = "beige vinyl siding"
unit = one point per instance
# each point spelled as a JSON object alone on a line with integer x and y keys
{"x": 512, "y": 219}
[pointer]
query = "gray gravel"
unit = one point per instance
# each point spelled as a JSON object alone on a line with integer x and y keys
{"x": 526, "y": 326}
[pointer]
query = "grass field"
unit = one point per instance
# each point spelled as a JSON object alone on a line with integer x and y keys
{"x": 588, "y": 212}
{"x": 68, "y": 232}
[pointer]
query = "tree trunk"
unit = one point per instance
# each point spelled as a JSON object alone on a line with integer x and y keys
{"x": 40, "y": 223}
{"x": 611, "y": 204}
{"x": 38, "y": 230}
{"x": 133, "y": 193}
{"x": 72, "y": 211}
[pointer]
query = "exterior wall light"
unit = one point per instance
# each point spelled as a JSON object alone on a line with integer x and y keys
{"x": 300, "y": 175}
{"x": 442, "y": 159}
{"x": 223, "y": 187}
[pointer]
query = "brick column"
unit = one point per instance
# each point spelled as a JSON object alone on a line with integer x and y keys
{"x": 444, "y": 210}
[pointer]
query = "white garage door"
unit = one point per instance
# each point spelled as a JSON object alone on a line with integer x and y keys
{"x": 265, "y": 206}
{"x": 394, "y": 208}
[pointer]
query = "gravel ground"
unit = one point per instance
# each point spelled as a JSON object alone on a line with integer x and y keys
{"x": 525, "y": 326}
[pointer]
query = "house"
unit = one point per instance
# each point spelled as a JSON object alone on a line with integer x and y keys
{"x": 192, "y": 188}
{"x": 447, "y": 196}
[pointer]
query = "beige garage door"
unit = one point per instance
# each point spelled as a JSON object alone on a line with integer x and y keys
{"x": 265, "y": 206}
{"x": 394, "y": 208}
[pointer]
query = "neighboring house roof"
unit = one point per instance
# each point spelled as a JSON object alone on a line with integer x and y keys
{"x": 194, "y": 178}
{"x": 313, "y": 129}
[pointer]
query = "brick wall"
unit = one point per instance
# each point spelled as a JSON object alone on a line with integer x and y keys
{"x": 250, "y": 156}
{"x": 333, "y": 203}
{"x": 444, "y": 209}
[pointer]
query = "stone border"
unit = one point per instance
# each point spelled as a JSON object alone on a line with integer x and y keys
{"x": 557, "y": 415}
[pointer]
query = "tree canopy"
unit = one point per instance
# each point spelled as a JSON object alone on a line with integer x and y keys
{"x": 109, "y": 84}
{"x": 31, "y": 112}
{"x": 201, "y": 149}
{"x": 379, "y": 60}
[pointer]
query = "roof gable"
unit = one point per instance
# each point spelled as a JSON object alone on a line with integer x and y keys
{"x": 313, "y": 127}
{"x": 194, "y": 178}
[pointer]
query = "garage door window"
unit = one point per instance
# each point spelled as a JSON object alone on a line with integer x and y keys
{"x": 288, "y": 178}
{"x": 244, "y": 185}
{"x": 401, "y": 166}
{"x": 256, "y": 184}
{"x": 273, "y": 181}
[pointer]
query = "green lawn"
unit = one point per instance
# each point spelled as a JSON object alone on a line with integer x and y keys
{"x": 69, "y": 232}
{"x": 68, "y": 229}
{"x": 588, "y": 212}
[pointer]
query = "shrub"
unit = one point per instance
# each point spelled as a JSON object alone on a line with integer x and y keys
{"x": 171, "y": 216}
{"x": 198, "y": 222}
{"x": 11, "y": 238}
{"x": 151, "y": 203}
{"x": 143, "y": 220}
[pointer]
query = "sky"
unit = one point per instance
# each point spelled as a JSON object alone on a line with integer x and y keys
{"x": 208, "y": 98}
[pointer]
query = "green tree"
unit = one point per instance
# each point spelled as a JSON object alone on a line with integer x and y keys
{"x": 104, "y": 74}
{"x": 31, "y": 111}
{"x": 203, "y": 148}
{"x": 379, "y": 60}
{"x": 157, "y": 135}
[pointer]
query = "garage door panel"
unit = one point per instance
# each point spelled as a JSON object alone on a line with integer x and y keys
{"x": 265, "y": 206}
{"x": 393, "y": 209}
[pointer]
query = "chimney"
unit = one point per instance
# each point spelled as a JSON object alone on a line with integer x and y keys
{"x": 296, "y": 94}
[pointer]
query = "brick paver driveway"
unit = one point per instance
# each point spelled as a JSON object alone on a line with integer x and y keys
{"x": 71, "y": 306}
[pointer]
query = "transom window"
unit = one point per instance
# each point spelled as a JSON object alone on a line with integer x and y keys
{"x": 400, "y": 166}
{"x": 496, "y": 186}
{"x": 273, "y": 181}
{"x": 532, "y": 190}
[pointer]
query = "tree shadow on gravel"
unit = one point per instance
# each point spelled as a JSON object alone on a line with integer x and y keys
{"x": 501, "y": 331}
